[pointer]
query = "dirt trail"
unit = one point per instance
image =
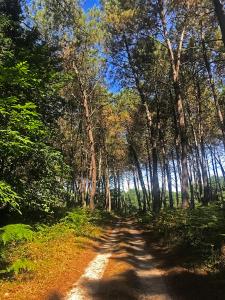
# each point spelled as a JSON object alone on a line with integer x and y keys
{"x": 130, "y": 272}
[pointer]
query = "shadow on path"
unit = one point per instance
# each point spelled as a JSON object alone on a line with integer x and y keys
{"x": 140, "y": 280}
{"x": 144, "y": 276}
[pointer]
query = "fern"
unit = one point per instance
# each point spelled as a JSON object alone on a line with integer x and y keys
{"x": 19, "y": 266}
{"x": 77, "y": 218}
{"x": 15, "y": 233}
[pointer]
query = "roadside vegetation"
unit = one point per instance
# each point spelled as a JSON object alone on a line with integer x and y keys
{"x": 196, "y": 236}
{"x": 37, "y": 257}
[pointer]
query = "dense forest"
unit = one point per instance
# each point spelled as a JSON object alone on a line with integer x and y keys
{"x": 112, "y": 111}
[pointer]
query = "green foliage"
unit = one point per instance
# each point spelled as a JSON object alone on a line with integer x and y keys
{"x": 21, "y": 145}
{"x": 81, "y": 221}
{"x": 8, "y": 196}
{"x": 14, "y": 233}
{"x": 77, "y": 218}
{"x": 48, "y": 233}
{"x": 31, "y": 167}
{"x": 199, "y": 230}
{"x": 20, "y": 266}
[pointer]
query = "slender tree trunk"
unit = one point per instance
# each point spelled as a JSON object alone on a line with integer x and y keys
{"x": 163, "y": 191}
{"x": 175, "y": 178}
{"x": 155, "y": 182}
{"x": 115, "y": 194}
{"x": 206, "y": 196}
{"x": 90, "y": 135}
{"x": 150, "y": 168}
{"x": 196, "y": 154}
{"x": 83, "y": 191}
{"x": 93, "y": 166}
{"x": 184, "y": 143}
{"x": 99, "y": 172}
{"x": 175, "y": 61}
{"x": 136, "y": 161}
{"x": 148, "y": 185}
{"x": 168, "y": 174}
{"x": 213, "y": 89}
{"x": 107, "y": 190}
{"x": 203, "y": 160}
{"x": 118, "y": 190}
{"x": 219, "y": 182}
{"x": 210, "y": 179}
{"x": 220, "y": 13}
{"x": 137, "y": 192}
{"x": 192, "y": 200}
{"x": 217, "y": 157}
{"x": 217, "y": 187}
{"x": 169, "y": 181}
{"x": 215, "y": 169}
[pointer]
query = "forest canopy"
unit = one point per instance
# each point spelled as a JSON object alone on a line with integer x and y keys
{"x": 120, "y": 107}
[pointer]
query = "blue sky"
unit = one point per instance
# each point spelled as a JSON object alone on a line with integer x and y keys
{"x": 112, "y": 85}
{"x": 90, "y": 3}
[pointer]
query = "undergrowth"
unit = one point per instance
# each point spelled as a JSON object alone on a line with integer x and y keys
{"x": 199, "y": 234}
{"x": 14, "y": 238}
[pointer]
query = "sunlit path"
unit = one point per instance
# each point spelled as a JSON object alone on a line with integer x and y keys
{"x": 145, "y": 281}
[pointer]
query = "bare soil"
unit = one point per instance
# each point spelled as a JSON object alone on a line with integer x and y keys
{"x": 132, "y": 272}
{"x": 142, "y": 268}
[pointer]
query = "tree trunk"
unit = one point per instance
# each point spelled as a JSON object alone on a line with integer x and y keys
{"x": 155, "y": 182}
{"x": 163, "y": 190}
{"x": 90, "y": 135}
{"x": 118, "y": 190}
{"x": 213, "y": 88}
{"x": 203, "y": 160}
{"x": 220, "y": 13}
{"x": 107, "y": 191}
{"x": 93, "y": 167}
{"x": 115, "y": 194}
{"x": 176, "y": 179}
{"x": 137, "y": 164}
{"x": 148, "y": 185}
{"x": 137, "y": 192}
{"x": 168, "y": 175}
{"x": 184, "y": 142}
{"x": 192, "y": 199}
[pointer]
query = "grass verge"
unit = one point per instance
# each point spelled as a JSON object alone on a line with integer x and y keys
{"x": 46, "y": 263}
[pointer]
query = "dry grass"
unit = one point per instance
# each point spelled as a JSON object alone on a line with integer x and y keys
{"x": 58, "y": 265}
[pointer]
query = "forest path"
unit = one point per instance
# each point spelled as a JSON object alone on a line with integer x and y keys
{"x": 122, "y": 270}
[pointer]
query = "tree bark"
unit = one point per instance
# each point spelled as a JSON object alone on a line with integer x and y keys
{"x": 213, "y": 88}
{"x": 137, "y": 192}
{"x": 155, "y": 181}
{"x": 138, "y": 166}
{"x": 220, "y": 13}
{"x": 176, "y": 179}
{"x": 107, "y": 190}
{"x": 89, "y": 131}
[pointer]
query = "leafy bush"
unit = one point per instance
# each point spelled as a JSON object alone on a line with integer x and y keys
{"x": 200, "y": 230}
{"x": 77, "y": 218}
{"x": 15, "y": 233}
{"x": 8, "y": 196}
{"x": 82, "y": 221}
{"x": 79, "y": 222}
{"x": 47, "y": 233}
{"x": 20, "y": 266}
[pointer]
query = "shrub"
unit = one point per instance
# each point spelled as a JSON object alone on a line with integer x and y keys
{"x": 8, "y": 196}
{"x": 199, "y": 230}
{"x": 15, "y": 233}
{"x": 20, "y": 266}
{"x": 81, "y": 221}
